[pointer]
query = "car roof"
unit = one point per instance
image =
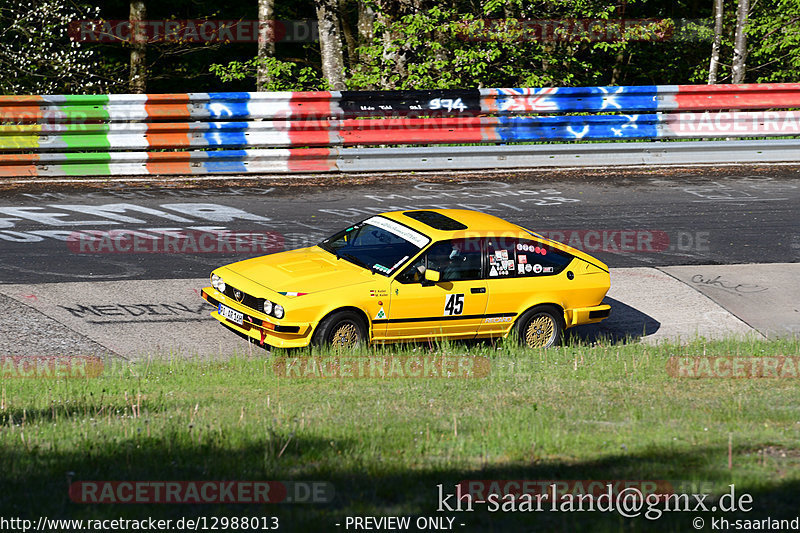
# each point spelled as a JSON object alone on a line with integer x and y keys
{"x": 481, "y": 224}
{"x": 474, "y": 221}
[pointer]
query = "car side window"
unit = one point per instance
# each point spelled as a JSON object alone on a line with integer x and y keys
{"x": 413, "y": 273}
{"x": 455, "y": 260}
{"x": 500, "y": 260}
{"x": 535, "y": 258}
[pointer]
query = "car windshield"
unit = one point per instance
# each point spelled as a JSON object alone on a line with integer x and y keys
{"x": 378, "y": 244}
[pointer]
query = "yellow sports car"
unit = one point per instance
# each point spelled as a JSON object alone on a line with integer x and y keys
{"x": 411, "y": 276}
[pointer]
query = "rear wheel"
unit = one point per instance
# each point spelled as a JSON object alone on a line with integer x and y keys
{"x": 540, "y": 327}
{"x": 343, "y": 330}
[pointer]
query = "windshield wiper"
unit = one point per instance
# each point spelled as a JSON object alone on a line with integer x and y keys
{"x": 353, "y": 259}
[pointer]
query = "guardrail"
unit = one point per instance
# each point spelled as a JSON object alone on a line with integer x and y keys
{"x": 201, "y": 133}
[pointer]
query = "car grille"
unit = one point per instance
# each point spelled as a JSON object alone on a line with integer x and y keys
{"x": 257, "y": 304}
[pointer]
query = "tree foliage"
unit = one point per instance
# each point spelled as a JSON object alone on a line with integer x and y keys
{"x": 37, "y": 55}
{"x": 281, "y": 75}
{"x": 774, "y": 36}
{"x": 406, "y": 44}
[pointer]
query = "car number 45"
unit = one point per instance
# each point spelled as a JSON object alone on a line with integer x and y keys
{"x": 454, "y": 304}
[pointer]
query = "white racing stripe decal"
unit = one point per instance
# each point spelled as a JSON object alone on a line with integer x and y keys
{"x": 417, "y": 239}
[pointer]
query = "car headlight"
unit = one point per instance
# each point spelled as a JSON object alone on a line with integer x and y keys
{"x": 215, "y": 280}
{"x": 277, "y": 311}
{"x": 220, "y": 285}
{"x": 267, "y": 307}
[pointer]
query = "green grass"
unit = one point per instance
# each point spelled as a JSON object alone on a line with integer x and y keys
{"x": 607, "y": 412}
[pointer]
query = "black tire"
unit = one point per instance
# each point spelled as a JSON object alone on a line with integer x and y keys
{"x": 540, "y": 327}
{"x": 343, "y": 330}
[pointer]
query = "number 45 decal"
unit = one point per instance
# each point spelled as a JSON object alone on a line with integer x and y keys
{"x": 454, "y": 304}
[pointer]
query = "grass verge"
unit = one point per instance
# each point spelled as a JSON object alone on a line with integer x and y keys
{"x": 603, "y": 412}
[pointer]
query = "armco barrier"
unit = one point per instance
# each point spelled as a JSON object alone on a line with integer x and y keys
{"x": 202, "y": 133}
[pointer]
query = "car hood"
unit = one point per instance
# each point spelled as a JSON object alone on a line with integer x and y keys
{"x": 306, "y": 270}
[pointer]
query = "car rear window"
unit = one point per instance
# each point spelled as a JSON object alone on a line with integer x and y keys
{"x": 509, "y": 257}
{"x": 500, "y": 257}
{"x": 538, "y": 259}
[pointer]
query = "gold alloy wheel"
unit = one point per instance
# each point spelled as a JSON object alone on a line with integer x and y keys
{"x": 540, "y": 332}
{"x": 345, "y": 336}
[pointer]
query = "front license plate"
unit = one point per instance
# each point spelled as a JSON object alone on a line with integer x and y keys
{"x": 231, "y": 314}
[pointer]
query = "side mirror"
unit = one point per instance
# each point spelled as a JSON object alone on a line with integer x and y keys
{"x": 431, "y": 276}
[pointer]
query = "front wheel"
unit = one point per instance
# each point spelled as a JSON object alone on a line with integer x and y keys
{"x": 344, "y": 330}
{"x": 540, "y": 327}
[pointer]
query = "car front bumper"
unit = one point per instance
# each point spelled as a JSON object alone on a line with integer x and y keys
{"x": 262, "y": 330}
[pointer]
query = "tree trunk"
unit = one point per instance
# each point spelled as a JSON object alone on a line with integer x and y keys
{"x": 740, "y": 42}
{"x": 137, "y": 82}
{"x": 365, "y": 37}
{"x": 548, "y": 47}
{"x": 330, "y": 43}
{"x": 616, "y": 70}
{"x": 266, "y": 42}
{"x": 366, "y": 24}
{"x": 390, "y": 53}
{"x": 713, "y": 66}
{"x": 619, "y": 57}
{"x": 349, "y": 36}
{"x": 394, "y": 54}
{"x": 442, "y": 52}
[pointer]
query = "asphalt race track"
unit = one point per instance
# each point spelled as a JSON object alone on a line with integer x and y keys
{"x": 683, "y": 227}
{"x": 687, "y": 220}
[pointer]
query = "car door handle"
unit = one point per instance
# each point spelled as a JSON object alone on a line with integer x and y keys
{"x": 477, "y": 290}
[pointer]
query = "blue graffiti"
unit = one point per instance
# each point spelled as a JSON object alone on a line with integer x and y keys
{"x": 225, "y": 161}
{"x": 228, "y": 105}
{"x": 571, "y": 128}
{"x": 226, "y": 134}
{"x": 566, "y": 99}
